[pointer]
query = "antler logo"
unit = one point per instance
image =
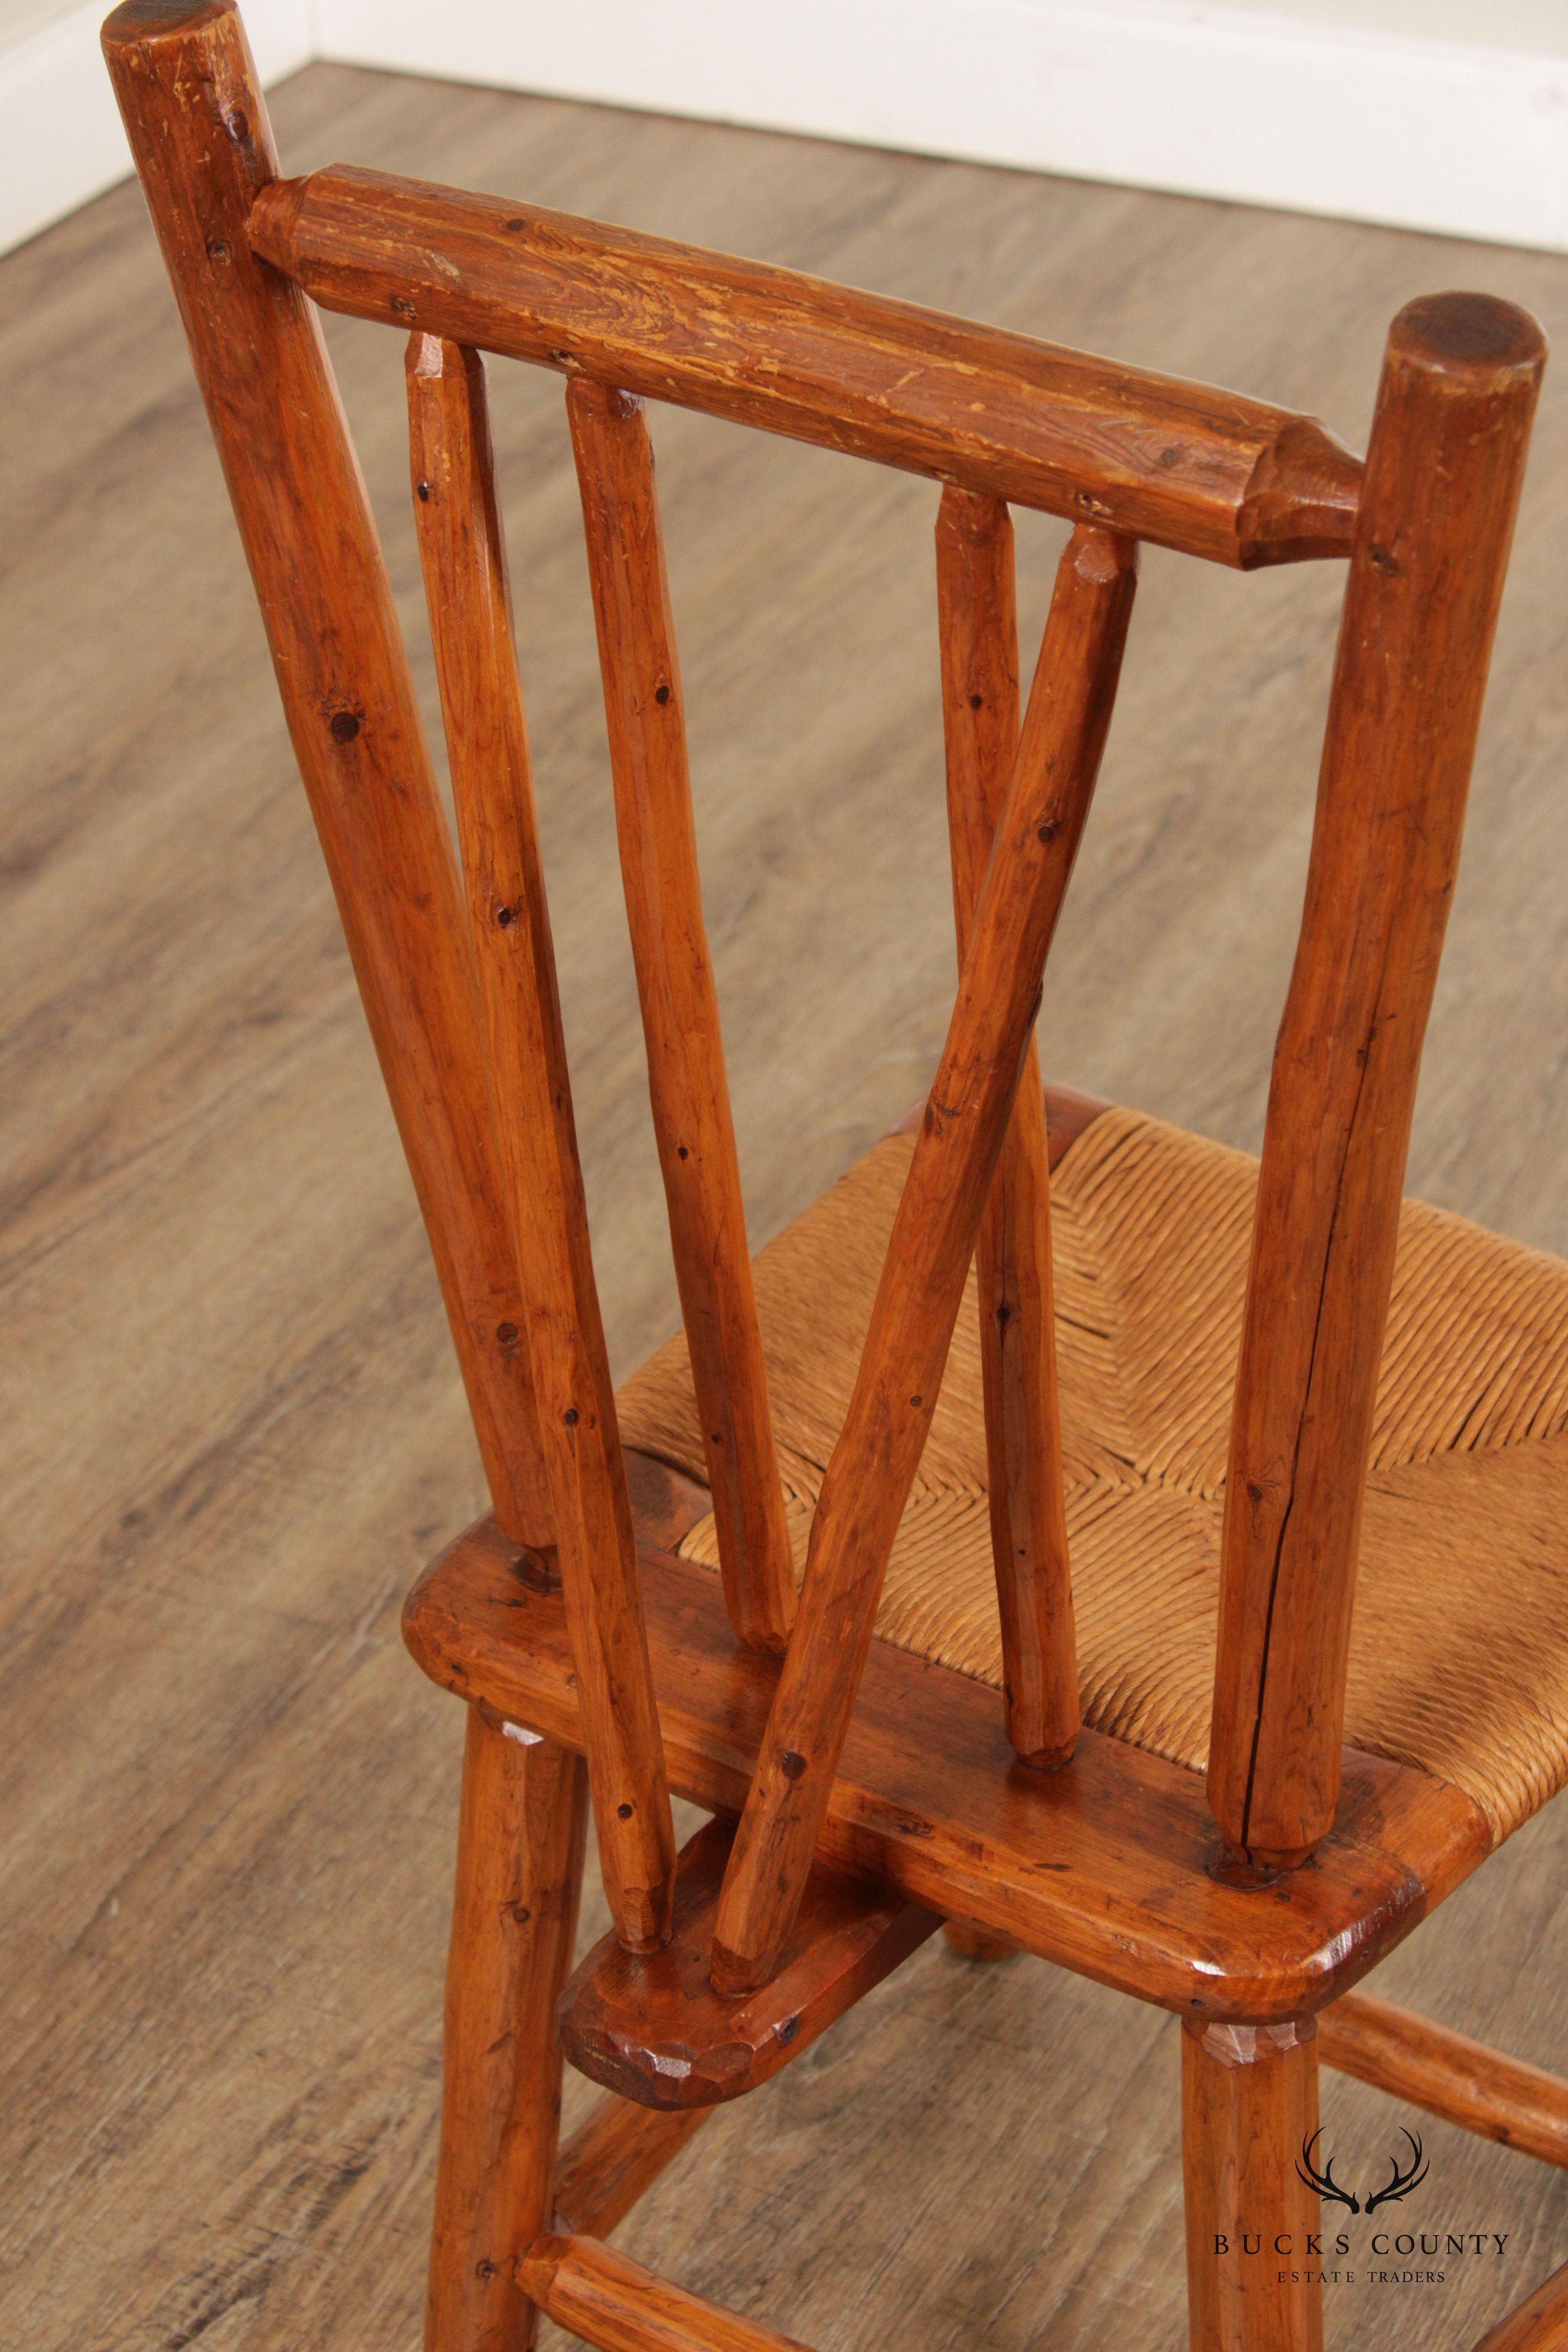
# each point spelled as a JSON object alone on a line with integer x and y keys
{"x": 1327, "y": 2187}
{"x": 1402, "y": 2183}
{"x": 1323, "y": 2182}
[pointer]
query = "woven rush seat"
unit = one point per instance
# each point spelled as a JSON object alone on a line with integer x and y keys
{"x": 1459, "y": 1653}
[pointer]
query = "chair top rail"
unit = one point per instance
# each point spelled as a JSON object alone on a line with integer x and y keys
{"x": 1207, "y": 472}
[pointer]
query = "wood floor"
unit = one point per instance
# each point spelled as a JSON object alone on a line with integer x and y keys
{"x": 230, "y": 1425}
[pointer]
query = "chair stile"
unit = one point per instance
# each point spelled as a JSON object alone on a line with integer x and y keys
{"x": 1447, "y": 460}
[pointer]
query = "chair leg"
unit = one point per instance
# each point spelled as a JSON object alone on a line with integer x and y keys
{"x": 514, "y": 1920}
{"x": 1250, "y": 2101}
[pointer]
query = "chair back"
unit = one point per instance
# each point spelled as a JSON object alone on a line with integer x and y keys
{"x": 455, "y": 962}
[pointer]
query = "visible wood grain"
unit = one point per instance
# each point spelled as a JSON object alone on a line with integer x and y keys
{"x": 1104, "y": 1867}
{"x": 1457, "y": 395}
{"x": 617, "y": 2304}
{"x": 873, "y": 1465}
{"x": 1069, "y": 1112}
{"x": 1249, "y": 2106}
{"x": 198, "y": 130}
{"x": 468, "y": 598}
{"x": 1540, "y": 2324}
{"x": 520, "y": 1872}
{"x": 653, "y": 2028}
{"x": 613, "y": 2157}
{"x": 1448, "y": 2075}
{"x": 979, "y": 1943}
{"x": 666, "y": 1504}
{"x": 979, "y": 629}
{"x": 221, "y": 2096}
{"x": 647, "y": 720}
{"x": 1196, "y": 469}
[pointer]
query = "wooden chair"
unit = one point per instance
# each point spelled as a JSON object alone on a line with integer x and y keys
{"x": 866, "y": 1783}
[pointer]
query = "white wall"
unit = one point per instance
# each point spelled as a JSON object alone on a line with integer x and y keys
{"x": 19, "y": 17}
{"x": 60, "y": 136}
{"x": 1488, "y": 24}
{"x": 1449, "y": 115}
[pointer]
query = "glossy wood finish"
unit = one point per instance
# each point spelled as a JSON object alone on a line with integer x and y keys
{"x": 469, "y": 599}
{"x": 198, "y": 130}
{"x": 1448, "y": 2075}
{"x": 613, "y": 2157}
{"x": 665, "y": 1503}
{"x": 646, "y": 718}
{"x": 874, "y": 1462}
{"x": 652, "y": 2027}
{"x": 618, "y": 2305}
{"x": 1540, "y": 2324}
{"x": 1103, "y": 1867}
{"x": 1457, "y": 395}
{"x": 979, "y": 630}
{"x": 1069, "y": 1111}
{"x": 979, "y": 1943}
{"x": 519, "y": 1869}
{"x": 1249, "y": 2103}
{"x": 1216, "y": 475}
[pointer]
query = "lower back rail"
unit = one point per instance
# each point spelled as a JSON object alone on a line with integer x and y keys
{"x": 614, "y": 2302}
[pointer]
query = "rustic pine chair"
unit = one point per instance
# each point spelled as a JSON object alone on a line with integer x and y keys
{"x": 1400, "y": 1380}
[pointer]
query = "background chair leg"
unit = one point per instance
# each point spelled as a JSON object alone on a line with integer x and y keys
{"x": 514, "y": 1921}
{"x": 1250, "y": 2101}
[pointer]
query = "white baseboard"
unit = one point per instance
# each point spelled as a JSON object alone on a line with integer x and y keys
{"x": 1208, "y": 101}
{"x": 1311, "y": 115}
{"x": 61, "y": 137}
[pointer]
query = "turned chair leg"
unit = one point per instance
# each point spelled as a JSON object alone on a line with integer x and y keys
{"x": 514, "y": 1921}
{"x": 1250, "y": 2101}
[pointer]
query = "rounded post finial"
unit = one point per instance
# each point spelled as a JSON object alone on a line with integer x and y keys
{"x": 137, "y": 21}
{"x": 1468, "y": 335}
